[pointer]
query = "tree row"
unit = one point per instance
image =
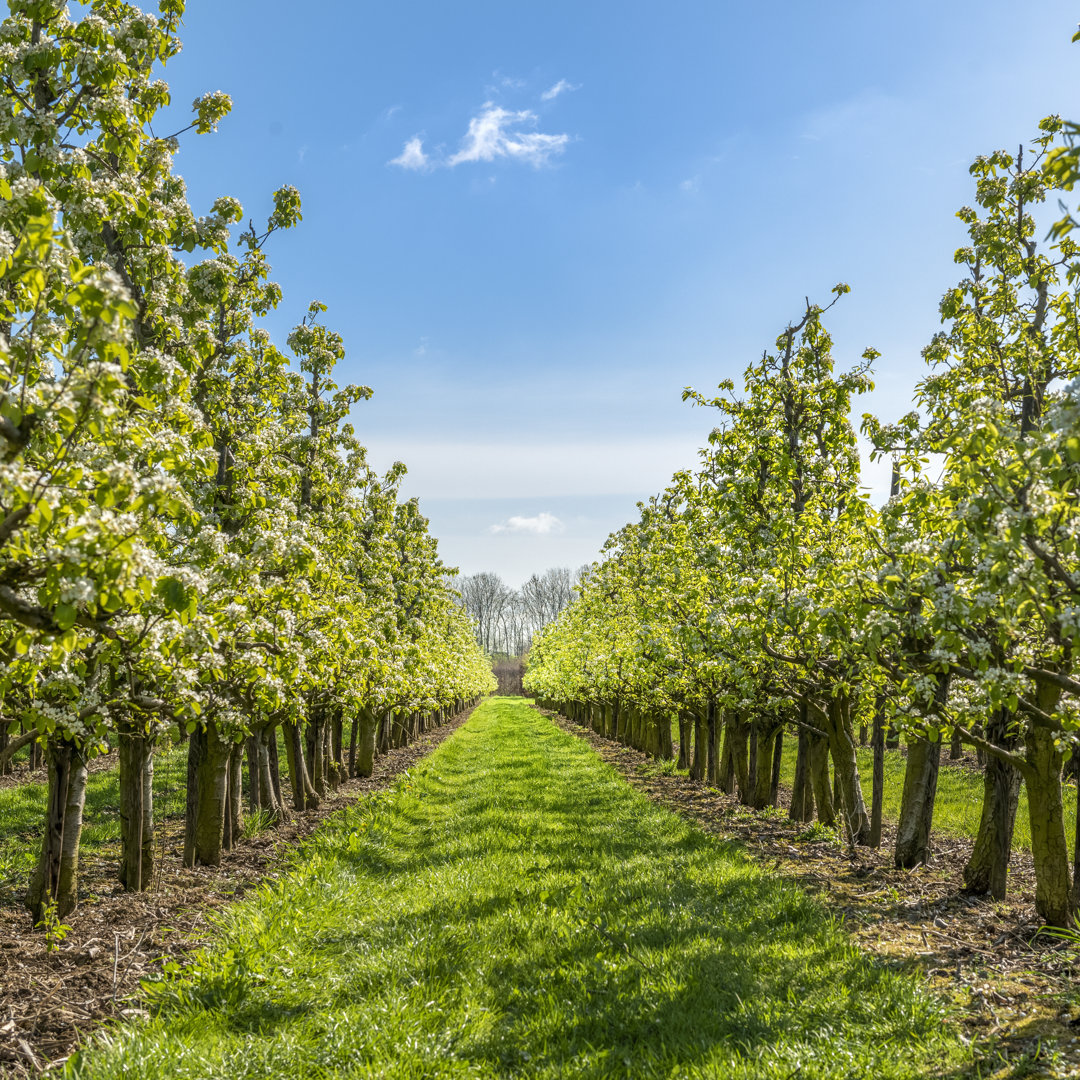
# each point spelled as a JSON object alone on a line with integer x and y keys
{"x": 191, "y": 537}
{"x": 763, "y": 591}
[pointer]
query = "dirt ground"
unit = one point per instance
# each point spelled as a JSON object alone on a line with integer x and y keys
{"x": 1016, "y": 990}
{"x": 50, "y": 998}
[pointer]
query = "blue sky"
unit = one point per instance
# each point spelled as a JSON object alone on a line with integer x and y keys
{"x": 529, "y": 303}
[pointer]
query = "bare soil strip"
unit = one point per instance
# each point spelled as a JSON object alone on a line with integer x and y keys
{"x": 1016, "y": 990}
{"x": 50, "y": 999}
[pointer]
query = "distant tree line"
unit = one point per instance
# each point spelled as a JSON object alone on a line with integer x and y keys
{"x": 505, "y": 619}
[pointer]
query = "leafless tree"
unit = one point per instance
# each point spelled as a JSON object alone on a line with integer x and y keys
{"x": 506, "y": 619}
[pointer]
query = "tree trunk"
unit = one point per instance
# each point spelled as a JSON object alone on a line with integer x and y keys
{"x": 316, "y": 749}
{"x": 304, "y": 795}
{"x": 57, "y": 875}
{"x": 987, "y": 870}
{"x": 699, "y": 764}
{"x": 712, "y": 723}
{"x": 365, "y": 758}
{"x": 667, "y": 750}
{"x": 204, "y": 827}
{"x": 685, "y": 727}
{"x": 234, "y": 801}
{"x": 819, "y": 778}
{"x": 917, "y": 803}
{"x": 763, "y": 764}
{"x": 1053, "y": 889}
{"x": 777, "y": 761}
{"x": 136, "y": 753}
{"x": 251, "y": 745}
{"x": 877, "y": 786}
{"x": 740, "y": 757}
{"x": 727, "y": 760}
{"x": 274, "y": 757}
{"x": 802, "y": 788}
{"x": 846, "y": 762}
{"x": 354, "y": 738}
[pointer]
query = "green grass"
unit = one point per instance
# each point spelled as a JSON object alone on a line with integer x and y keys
{"x": 513, "y": 908}
{"x": 959, "y": 795}
{"x": 22, "y": 815}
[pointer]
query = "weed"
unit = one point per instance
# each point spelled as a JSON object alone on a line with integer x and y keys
{"x": 55, "y": 930}
{"x": 256, "y": 822}
{"x": 816, "y": 831}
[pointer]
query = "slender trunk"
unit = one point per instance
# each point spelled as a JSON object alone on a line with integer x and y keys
{"x": 774, "y": 781}
{"x": 208, "y": 759}
{"x": 354, "y": 735}
{"x": 304, "y": 796}
{"x": 684, "y": 739}
{"x": 316, "y": 748}
{"x": 1053, "y": 889}
{"x": 56, "y": 878}
{"x": 701, "y": 748}
{"x": 136, "y": 751}
{"x": 987, "y": 870}
{"x": 846, "y": 760}
{"x": 802, "y": 788}
{"x": 234, "y": 803}
{"x": 763, "y": 764}
{"x": 269, "y": 797}
{"x": 667, "y": 750}
{"x": 365, "y": 760}
{"x": 740, "y": 757}
{"x": 819, "y": 778}
{"x": 275, "y": 770}
{"x": 877, "y": 791}
{"x": 251, "y": 744}
{"x": 712, "y": 722}
{"x": 917, "y": 803}
{"x": 727, "y": 759}
{"x": 751, "y": 760}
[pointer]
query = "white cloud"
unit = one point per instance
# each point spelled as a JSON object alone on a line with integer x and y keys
{"x": 413, "y": 156}
{"x": 691, "y": 185}
{"x": 540, "y": 525}
{"x": 561, "y": 87}
{"x": 492, "y": 135}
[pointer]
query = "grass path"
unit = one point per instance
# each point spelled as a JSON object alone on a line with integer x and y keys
{"x": 514, "y": 909}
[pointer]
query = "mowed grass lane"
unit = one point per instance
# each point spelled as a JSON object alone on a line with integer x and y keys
{"x": 514, "y": 909}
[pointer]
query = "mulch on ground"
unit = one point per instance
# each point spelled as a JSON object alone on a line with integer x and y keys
{"x": 1016, "y": 990}
{"x": 50, "y": 999}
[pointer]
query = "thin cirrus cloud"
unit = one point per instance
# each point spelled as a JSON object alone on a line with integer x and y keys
{"x": 540, "y": 525}
{"x": 561, "y": 87}
{"x": 494, "y": 133}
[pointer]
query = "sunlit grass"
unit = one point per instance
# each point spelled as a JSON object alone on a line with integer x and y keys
{"x": 514, "y": 909}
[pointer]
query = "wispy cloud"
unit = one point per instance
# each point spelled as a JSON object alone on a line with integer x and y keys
{"x": 691, "y": 185}
{"x": 540, "y": 525}
{"x": 413, "y": 156}
{"x": 496, "y": 133}
{"x": 561, "y": 87}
